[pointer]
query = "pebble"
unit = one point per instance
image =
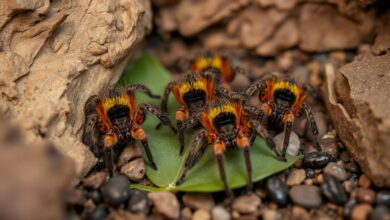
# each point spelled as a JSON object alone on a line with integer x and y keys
{"x": 246, "y": 203}
{"x": 201, "y": 214}
{"x": 128, "y": 154}
{"x": 116, "y": 190}
{"x": 220, "y": 213}
{"x": 353, "y": 168}
{"x": 306, "y": 196}
{"x": 296, "y": 177}
{"x": 348, "y": 207}
{"x": 95, "y": 196}
{"x": 240, "y": 81}
{"x": 319, "y": 179}
{"x": 165, "y": 203}
{"x": 336, "y": 170}
{"x": 99, "y": 213}
{"x": 310, "y": 173}
{"x": 364, "y": 181}
{"x": 345, "y": 156}
{"x": 293, "y": 145}
{"x": 383, "y": 198}
{"x": 329, "y": 145}
{"x": 300, "y": 213}
{"x": 308, "y": 182}
{"x": 349, "y": 185}
{"x": 138, "y": 201}
{"x": 277, "y": 190}
{"x": 300, "y": 74}
{"x": 199, "y": 201}
{"x": 271, "y": 214}
{"x": 322, "y": 126}
{"x": 316, "y": 160}
{"x": 299, "y": 126}
{"x": 366, "y": 195}
{"x": 186, "y": 213}
{"x": 380, "y": 213}
{"x": 100, "y": 164}
{"x": 95, "y": 180}
{"x": 134, "y": 169}
{"x": 361, "y": 212}
{"x": 332, "y": 189}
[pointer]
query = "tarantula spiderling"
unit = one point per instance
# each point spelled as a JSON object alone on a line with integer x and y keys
{"x": 113, "y": 120}
{"x": 282, "y": 101}
{"x": 226, "y": 125}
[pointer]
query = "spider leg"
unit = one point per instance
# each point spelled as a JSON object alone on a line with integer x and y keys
{"x": 258, "y": 113}
{"x": 110, "y": 139}
{"x": 139, "y": 133}
{"x": 154, "y": 111}
{"x": 195, "y": 154}
{"x": 164, "y": 101}
{"x": 243, "y": 142}
{"x": 181, "y": 115}
{"x": 262, "y": 132}
{"x": 288, "y": 126}
{"x": 90, "y": 136}
{"x": 313, "y": 124}
{"x": 229, "y": 94}
{"x": 141, "y": 88}
{"x": 219, "y": 148}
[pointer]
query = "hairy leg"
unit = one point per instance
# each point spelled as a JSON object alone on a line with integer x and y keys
{"x": 313, "y": 124}
{"x": 141, "y": 88}
{"x": 154, "y": 111}
{"x": 139, "y": 134}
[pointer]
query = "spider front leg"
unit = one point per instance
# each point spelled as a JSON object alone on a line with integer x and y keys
{"x": 194, "y": 155}
{"x": 219, "y": 149}
{"x": 164, "y": 101}
{"x": 289, "y": 119}
{"x": 154, "y": 111}
{"x": 110, "y": 139}
{"x": 227, "y": 93}
{"x": 90, "y": 136}
{"x": 141, "y": 88}
{"x": 181, "y": 116}
{"x": 313, "y": 124}
{"x": 139, "y": 134}
{"x": 252, "y": 110}
{"x": 243, "y": 143}
{"x": 262, "y": 132}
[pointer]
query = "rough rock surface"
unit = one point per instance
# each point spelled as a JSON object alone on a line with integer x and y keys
{"x": 358, "y": 97}
{"x": 51, "y": 51}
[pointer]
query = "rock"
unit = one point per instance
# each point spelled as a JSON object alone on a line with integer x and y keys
{"x": 333, "y": 190}
{"x": 362, "y": 91}
{"x": 361, "y": 212}
{"x": 353, "y": 168}
{"x": 199, "y": 201}
{"x": 95, "y": 180}
{"x": 296, "y": 177}
{"x": 306, "y": 196}
{"x": 349, "y": 185}
{"x": 382, "y": 40}
{"x": 335, "y": 170}
{"x": 134, "y": 169}
{"x": 277, "y": 190}
{"x": 220, "y": 213}
{"x": 310, "y": 173}
{"x": 322, "y": 126}
{"x": 298, "y": 212}
{"x": 165, "y": 203}
{"x": 380, "y": 213}
{"x": 270, "y": 214}
{"x": 383, "y": 198}
{"x": 58, "y": 49}
{"x": 324, "y": 28}
{"x": 293, "y": 145}
{"x": 201, "y": 214}
{"x": 366, "y": 195}
{"x": 280, "y": 4}
{"x": 246, "y": 203}
{"x": 139, "y": 201}
{"x": 116, "y": 190}
{"x": 130, "y": 152}
{"x": 329, "y": 145}
{"x": 99, "y": 213}
{"x": 125, "y": 215}
{"x": 348, "y": 208}
{"x": 364, "y": 181}
{"x": 34, "y": 177}
{"x": 316, "y": 160}
{"x": 95, "y": 196}
{"x": 186, "y": 213}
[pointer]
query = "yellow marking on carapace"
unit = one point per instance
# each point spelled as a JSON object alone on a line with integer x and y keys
{"x": 118, "y": 100}
{"x": 204, "y": 63}
{"x": 185, "y": 87}
{"x": 224, "y": 108}
{"x": 287, "y": 85}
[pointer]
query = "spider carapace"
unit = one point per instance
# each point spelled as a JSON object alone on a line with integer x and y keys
{"x": 192, "y": 93}
{"x": 282, "y": 101}
{"x": 226, "y": 125}
{"x": 112, "y": 120}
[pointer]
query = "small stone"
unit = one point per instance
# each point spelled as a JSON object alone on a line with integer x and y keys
{"x": 366, "y": 195}
{"x": 75, "y": 197}
{"x": 139, "y": 201}
{"x": 322, "y": 126}
{"x": 310, "y": 173}
{"x": 134, "y": 169}
{"x": 336, "y": 170}
{"x": 95, "y": 180}
{"x": 116, "y": 190}
{"x": 319, "y": 178}
{"x": 186, "y": 213}
{"x": 201, "y": 214}
{"x": 296, "y": 177}
{"x": 95, "y": 196}
{"x": 277, "y": 190}
{"x": 271, "y": 214}
{"x": 338, "y": 56}
{"x": 129, "y": 153}
{"x": 361, "y": 212}
{"x": 316, "y": 160}
{"x": 293, "y": 145}
{"x": 353, "y": 168}
{"x": 299, "y": 126}
{"x": 329, "y": 146}
{"x": 199, "y": 201}
{"x": 348, "y": 207}
{"x": 308, "y": 182}
{"x": 165, "y": 203}
{"x": 333, "y": 191}
{"x": 364, "y": 181}
{"x": 99, "y": 213}
{"x": 240, "y": 81}
{"x": 306, "y": 196}
{"x": 298, "y": 212}
{"x": 345, "y": 156}
{"x": 349, "y": 185}
{"x": 383, "y": 198}
{"x": 220, "y": 213}
{"x": 246, "y": 203}
{"x": 380, "y": 213}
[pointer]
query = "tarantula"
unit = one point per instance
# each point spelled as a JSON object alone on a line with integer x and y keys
{"x": 282, "y": 102}
{"x": 226, "y": 125}
{"x": 112, "y": 120}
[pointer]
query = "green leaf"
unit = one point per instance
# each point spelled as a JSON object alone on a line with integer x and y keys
{"x": 204, "y": 176}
